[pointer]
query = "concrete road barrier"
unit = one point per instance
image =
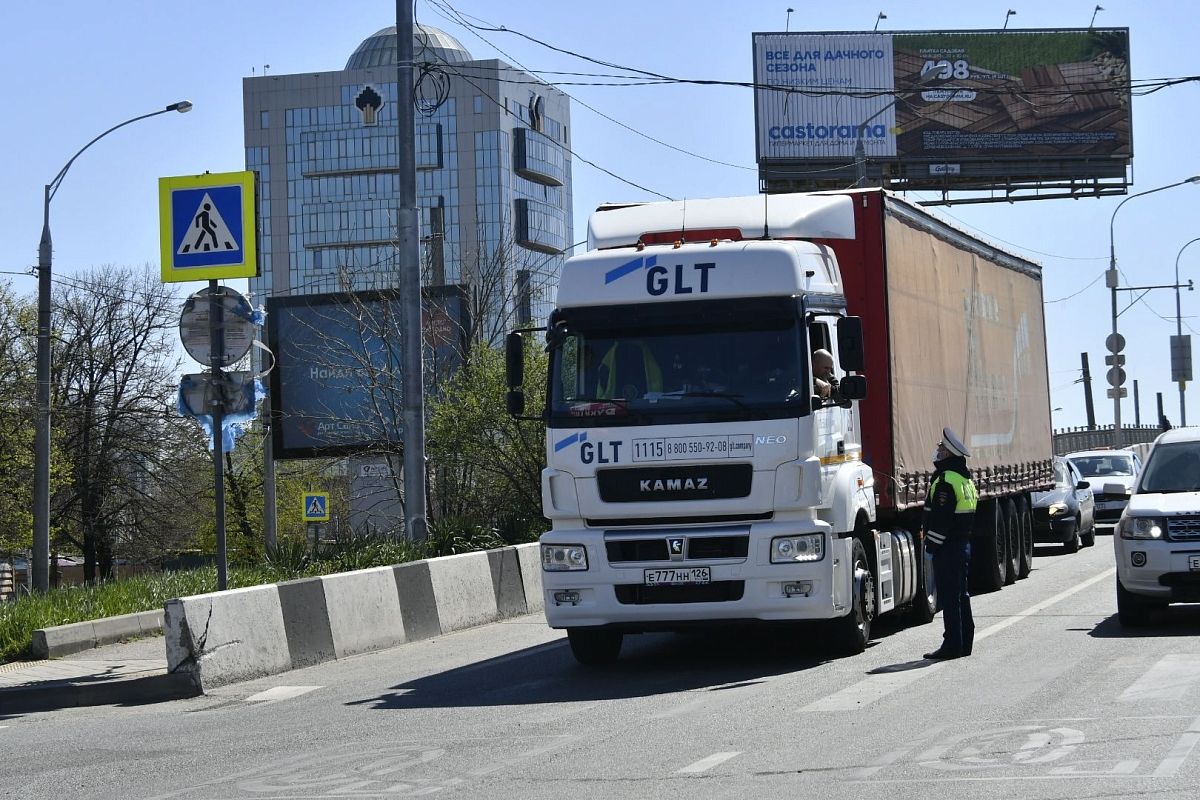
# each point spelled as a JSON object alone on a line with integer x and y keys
{"x": 225, "y": 637}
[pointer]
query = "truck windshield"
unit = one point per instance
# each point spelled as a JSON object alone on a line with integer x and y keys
{"x": 705, "y": 367}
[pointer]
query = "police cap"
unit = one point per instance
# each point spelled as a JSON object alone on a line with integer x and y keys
{"x": 952, "y": 443}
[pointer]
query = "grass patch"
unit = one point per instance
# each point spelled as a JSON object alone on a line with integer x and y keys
{"x": 293, "y": 558}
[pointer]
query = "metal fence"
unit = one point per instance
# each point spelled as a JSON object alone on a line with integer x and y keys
{"x": 1071, "y": 440}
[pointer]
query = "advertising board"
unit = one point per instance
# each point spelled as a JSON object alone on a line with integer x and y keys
{"x": 950, "y": 102}
{"x": 336, "y": 385}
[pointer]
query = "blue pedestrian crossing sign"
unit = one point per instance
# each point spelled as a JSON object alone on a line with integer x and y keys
{"x": 207, "y": 226}
{"x": 316, "y": 507}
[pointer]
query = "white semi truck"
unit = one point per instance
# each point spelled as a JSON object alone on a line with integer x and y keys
{"x": 697, "y": 474}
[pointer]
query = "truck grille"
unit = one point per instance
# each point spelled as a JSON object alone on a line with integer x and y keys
{"x": 635, "y": 594}
{"x": 1183, "y": 529}
{"x": 654, "y": 548}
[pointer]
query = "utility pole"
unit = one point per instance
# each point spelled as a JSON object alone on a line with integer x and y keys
{"x": 412, "y": 377}
{"x": 1087, "y": 393}
{"x": 1137, "y": 405}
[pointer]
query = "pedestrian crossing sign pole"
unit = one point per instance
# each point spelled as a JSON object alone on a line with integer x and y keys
{"x": 316, "y": 507}
{"x": 208, "y": 226}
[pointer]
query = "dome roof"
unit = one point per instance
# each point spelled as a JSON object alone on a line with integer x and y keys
{"x": 429, "y": 43}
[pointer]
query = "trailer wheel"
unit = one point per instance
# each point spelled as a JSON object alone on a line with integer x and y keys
{"x": 852, "y": 632}
{"x": 594, "y": 646}
{"x": 987, "y": 549}
{"x": 1025, "y": 517}
{"x": 1012, "y": 541}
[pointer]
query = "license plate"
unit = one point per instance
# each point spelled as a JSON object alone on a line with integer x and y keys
{"x": 1194, "y": 563}
{"x": 688, "y": 576}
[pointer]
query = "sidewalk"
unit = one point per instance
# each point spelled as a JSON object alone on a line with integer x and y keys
{"x": 130, "y": 673}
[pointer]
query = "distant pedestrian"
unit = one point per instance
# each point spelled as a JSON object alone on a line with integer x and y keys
{"x": 949, "y": 516}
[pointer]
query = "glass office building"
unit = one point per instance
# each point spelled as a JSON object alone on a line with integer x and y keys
{"x": 493, "y": 177}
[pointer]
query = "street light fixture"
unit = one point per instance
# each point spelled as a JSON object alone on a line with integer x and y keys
{"x": 41, "y": 438}
{"x": 1111, "y": 280}
{"x": 1179, "y": 337}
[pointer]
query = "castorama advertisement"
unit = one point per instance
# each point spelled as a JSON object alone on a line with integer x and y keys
{"x": 837, "y": 82}
{"x": 1017, "y": 99}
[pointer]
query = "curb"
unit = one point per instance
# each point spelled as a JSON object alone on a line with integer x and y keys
{"x": 64, "y": 640}
{"x": 129, "y": 691}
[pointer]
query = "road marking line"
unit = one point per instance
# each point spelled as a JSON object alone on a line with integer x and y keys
{"x": 1169, "y": 679}
{"x": 878, "y": 686}
{"x": 1179, "y": 753}
{"x": 1042, "y": 606}
{"x": 708, "y": 763}
{"x": 867, "y": 691}
{"x": 280, "y": 693}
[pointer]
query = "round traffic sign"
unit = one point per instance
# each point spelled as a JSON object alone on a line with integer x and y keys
{"x": 1115, "y": 342}
{"x": 237, "y": 326}
{"x": 1116, "y": 377}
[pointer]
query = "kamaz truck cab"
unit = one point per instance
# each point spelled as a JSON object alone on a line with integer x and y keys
{"x": 697, "y": 472}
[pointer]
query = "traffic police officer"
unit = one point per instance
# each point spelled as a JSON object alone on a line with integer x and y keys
{"x": 949, "y": 514}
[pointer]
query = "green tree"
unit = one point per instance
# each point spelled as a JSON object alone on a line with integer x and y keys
{"x": 486, "y": 466}
{"x": 18, "y": 322}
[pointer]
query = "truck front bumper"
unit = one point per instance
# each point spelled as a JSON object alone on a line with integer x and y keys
{"x": 738, "y": 589}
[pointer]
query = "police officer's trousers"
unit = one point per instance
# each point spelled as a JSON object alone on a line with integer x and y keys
{"x": 951, "y": 562}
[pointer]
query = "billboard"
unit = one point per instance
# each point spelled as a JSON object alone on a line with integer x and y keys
{"x": 957, "y": 109}
{"x": 336, "y": 385}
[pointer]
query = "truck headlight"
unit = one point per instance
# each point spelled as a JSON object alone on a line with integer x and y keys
{"x": 1143, "y": 528}
{"x": 791, "y": 549}
{"x": 564, "y": 558}
{"x": 1058, "y": 509}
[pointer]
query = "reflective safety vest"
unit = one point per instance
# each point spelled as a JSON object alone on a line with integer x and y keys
{"x": 649, "y": 376}
{"x": 941, "y": 521}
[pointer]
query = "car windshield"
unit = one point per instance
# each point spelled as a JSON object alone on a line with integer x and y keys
{"x": 685, "y": 370}
{"x": 1104, "y": 466}
{"x": 1062, "y": 475}
{"x": 1173, "y": 467}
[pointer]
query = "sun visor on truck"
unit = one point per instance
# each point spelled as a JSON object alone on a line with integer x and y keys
{"x": 779, "y": 216}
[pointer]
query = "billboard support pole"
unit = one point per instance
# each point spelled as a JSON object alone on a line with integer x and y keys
{"x": 412, "y": 376}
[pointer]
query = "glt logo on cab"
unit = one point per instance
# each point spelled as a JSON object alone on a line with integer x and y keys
{"x": 598, "y": 452}
{"x": 659, "y": 279}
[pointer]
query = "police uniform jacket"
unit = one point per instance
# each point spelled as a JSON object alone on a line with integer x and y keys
{"x": 950, "y": 504}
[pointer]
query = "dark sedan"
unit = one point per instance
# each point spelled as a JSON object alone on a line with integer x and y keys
{"x": 1066, "y": 514}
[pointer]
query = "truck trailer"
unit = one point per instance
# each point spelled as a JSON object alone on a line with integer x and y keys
{"x": 698, "y": 473}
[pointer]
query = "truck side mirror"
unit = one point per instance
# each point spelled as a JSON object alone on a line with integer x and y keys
{"x": 514, "y": 361}
{"x": 514, "y": 401}
{"x": 851, "y": 349}
{"x": 853, "y": 387}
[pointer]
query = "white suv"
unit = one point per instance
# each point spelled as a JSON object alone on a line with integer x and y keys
{"x": 1157, "y": 539}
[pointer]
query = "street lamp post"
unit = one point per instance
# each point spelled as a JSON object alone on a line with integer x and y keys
{"x": 860, "y": 152}
{"x": 1179, "y": 331}
{"x": 1111, "y": 279}
{"x": 41, "y": 437}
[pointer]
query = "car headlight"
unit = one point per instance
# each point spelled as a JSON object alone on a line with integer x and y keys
{"x": 1058, "y": 508}
{"x": 791, "y": 549}
{"x": 564, "y": 558}
{"x": 1143, "y": 528}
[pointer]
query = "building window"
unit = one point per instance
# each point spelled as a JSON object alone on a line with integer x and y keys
{"x": 264, "y": 119}
{"x": 478, "y": 104}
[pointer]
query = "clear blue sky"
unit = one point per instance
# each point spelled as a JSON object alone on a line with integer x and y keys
{"x": 74, "y": 68}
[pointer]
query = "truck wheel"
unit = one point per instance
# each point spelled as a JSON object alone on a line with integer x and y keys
{"x": 1072, "y": 543}
{"x": 1012, "y": 541}
{"x": 987, "y": 549}
{"x": 593, "y": 646}
{"x": 1133, "y": 611}
{"x": 1025, "y": 519}
{"x": 924, "y": 604}
{"x": 852, "y": 632}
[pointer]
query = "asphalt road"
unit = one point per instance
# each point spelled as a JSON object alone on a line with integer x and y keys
{"x": 1058, "y": 701}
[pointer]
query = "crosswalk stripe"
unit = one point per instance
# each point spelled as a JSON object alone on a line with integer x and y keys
{"x": 1179, "y": 753}
{"x": 1169, "y": 679}
{"x": 708, "y": 763}
{"x": 280, "y": 693}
